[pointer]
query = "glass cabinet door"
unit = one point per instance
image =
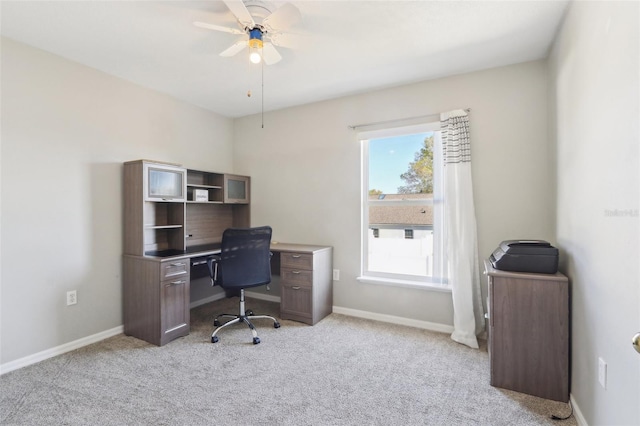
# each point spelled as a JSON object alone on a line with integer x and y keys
{"x": 165, "y": 183}
{"x": 236, "y": 189}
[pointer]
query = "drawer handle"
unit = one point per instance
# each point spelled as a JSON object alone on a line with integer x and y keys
{"x": 175, "y": 264}
{"x": 296, "y": 287}
{"x": 296, "y": 256}
{"x": 295, "y": 272}
{"x": 177, "y": 282}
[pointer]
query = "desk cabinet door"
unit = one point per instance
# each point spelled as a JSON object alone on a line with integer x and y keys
{"x": 164, "y": 182}
{"x": 175, "y": 309}
{"x": 529, "y": 336}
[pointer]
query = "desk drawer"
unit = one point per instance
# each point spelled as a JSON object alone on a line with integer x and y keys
{"x": 299, "y": 277}
{"x": 174, "y": 268}
{"x": 296, "y": 260}
{"x": 296, "y": 303}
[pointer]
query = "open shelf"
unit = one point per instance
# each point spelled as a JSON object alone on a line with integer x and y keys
{"x": 204, "y": 187}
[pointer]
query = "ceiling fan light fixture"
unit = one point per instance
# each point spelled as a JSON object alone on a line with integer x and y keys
{"x": 254, "y": 56}
{"x": 255, "y": 45}
{"x": 263, "y": 25}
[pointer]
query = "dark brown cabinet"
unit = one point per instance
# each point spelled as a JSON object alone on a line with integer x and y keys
{"x": 529, "y": 332}
{"x": 156, "y": 302}
{"x": 306, "y": 283}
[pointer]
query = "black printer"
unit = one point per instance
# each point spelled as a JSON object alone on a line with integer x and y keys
{"x": 525, "y": 256}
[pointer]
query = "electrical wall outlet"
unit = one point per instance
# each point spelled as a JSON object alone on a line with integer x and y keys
{"x": 336, "y": 274}
{"x": 602, "y": 372}
{"x": 72, "y": 297}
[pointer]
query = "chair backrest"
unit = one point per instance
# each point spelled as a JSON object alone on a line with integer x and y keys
{"x": 245, "y": 259}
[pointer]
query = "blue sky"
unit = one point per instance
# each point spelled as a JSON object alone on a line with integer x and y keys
{"x": 389, "y": 158}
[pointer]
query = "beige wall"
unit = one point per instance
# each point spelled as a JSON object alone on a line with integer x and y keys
{"x": 66, "y": 130}
{"x": 593, "y": 105}
{"x": 305, "y": 166}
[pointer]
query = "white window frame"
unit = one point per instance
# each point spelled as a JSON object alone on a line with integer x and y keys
{"x": 438, "y": 278}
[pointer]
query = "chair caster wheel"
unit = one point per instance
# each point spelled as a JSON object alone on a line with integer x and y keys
{"x": 216, "y": 323}
{"x": 256, "y": 340}
{"x": 276, "y": 324}
{"x": 249, "y": 313}
{"x": 214, "y": 339}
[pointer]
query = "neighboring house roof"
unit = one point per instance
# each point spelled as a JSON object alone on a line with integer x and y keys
{"x": 401, "y": 215}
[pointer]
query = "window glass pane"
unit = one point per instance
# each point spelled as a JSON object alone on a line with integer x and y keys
{"x": 401, "y": 165}
{"x": 400, "y": 237}
{"x": 392, "y": 253}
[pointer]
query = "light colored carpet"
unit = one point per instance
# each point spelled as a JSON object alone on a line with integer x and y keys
{"x": 342, "y": 371}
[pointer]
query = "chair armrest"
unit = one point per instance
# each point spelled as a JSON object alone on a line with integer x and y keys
{"x": 212, "y": 264}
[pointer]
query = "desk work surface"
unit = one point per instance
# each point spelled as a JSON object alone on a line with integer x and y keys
{"x": 307, "y": 248}
{"x": 209, "y": 249}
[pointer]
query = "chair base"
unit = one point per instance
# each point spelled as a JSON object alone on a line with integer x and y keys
{"x": 243, "y": 316}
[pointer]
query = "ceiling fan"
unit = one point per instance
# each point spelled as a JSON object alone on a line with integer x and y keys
{"x": 263, "y": 24}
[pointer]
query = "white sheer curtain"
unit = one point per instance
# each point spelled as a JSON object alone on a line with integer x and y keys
{"x": 460, "y": 229}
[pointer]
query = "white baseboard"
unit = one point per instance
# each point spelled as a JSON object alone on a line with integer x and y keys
{"x": 206, "y": 300}
{"x": 432, "y": 326}
{"x": 262, "y": 296}
{"x": 442, "y": 328}
{"x": 577, "y": 413}
{"x": 59, "y": 350}
{"x": 253, "y": 295}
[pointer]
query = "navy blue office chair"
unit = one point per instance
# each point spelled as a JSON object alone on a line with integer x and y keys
{"x": 244, "y": 261}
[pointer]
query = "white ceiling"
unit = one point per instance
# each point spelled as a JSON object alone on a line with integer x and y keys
{"x": 346, "y": 47}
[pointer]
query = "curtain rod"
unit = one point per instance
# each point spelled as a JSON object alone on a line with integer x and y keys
{"x": 396, "y": 120}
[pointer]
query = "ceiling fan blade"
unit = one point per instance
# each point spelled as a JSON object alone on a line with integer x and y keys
{"x": 286, "y": 40}
{"x": 235, "y": 48}
{"x": 270, "y": 54}
{"x": 218, "y": 28}
{"x": 241, "y": 12}
{"x": 283, "y": 18}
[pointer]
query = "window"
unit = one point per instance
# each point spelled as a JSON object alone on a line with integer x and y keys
{"x": 402, "y": 205}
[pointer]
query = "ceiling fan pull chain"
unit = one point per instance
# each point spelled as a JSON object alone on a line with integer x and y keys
{"x": 262, "y": 95}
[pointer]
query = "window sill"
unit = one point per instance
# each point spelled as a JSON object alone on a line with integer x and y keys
{"x": 420, "y": 285}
